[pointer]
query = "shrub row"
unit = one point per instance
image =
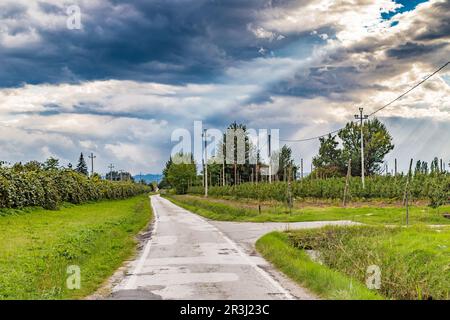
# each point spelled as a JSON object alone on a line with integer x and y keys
{"x": 50, "y": 188}
{"x": 436, "y": 188}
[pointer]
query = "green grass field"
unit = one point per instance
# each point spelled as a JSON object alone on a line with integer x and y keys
{"x": 37, "y": 246}
{"x": 247, "y": 210}
{"x": 414, "y": 262}
{"x": 321, "y": 280}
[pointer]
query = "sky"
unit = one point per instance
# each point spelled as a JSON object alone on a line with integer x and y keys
{"x": 135, "y": 71}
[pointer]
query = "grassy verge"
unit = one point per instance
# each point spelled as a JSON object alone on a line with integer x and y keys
{"x": 37, "y": 246}
{"x": 321, "y": 280}
{"x": 414, "y": 262}
{"x": 247, "y": 210}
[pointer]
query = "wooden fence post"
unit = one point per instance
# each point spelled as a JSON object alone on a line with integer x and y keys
{"x": 347, "y": 181}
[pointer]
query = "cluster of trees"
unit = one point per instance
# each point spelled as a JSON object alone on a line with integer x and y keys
{"x": 179, "y": 175}
{"x": 81, "y": 168}
{"x": 220, "y": 173}
{"x": 331, "y": 161}
{"x": 335, "y": 152}
{"x": 333, "y": 157}
{"x": 182, "y": 176}
{"x": 437, "y": 166}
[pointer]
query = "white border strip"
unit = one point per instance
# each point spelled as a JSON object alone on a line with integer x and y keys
{"x": 131, "y": 283}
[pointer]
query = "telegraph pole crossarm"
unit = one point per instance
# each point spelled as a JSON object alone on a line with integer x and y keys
{"x": 111, "y": 167}
{"x": 361, "y": 117}
{"x": 92, "y": 157}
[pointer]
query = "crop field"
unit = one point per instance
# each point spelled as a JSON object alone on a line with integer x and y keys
{"x": 248, "y": 210}
{"x": 23, "y": 186}
{"x": 433, "y": 188}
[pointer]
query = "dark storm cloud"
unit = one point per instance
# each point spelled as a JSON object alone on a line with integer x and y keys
{"x": 439, "y": 27}
{"x": 165, "y": 41}
{"x": 413, "y": 50}
{"x": 324, "y": 81}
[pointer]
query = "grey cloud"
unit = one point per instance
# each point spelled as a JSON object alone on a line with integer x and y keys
{"x": 414, "y": 50}
{"x": 166, "y": 41}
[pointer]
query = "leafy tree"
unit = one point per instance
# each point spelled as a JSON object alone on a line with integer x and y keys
{"x": 418, "y": 169}
{"x": 33, "y": 166}
{"x": 329, "y": 161}
{"x": 181, "y": 173}
{"x": 51, "y": 164}
{"x": 164, "y": 183}
{"x": 424, "y": 168}
{"x": 377, "y": 144}
{"x": 332, "y": 161}
{"x": 435, "y": 165}
{"x": 439, "y": 194}
{"x": 285, "y": 162}
{"x": 239, "y": 171}
{"x": 234, "y": 172}
{"x": 82, "y": 166}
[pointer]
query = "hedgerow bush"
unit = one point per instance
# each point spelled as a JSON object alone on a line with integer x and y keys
{"x": 436, "y": 188}
{"x": 50, "y": 188}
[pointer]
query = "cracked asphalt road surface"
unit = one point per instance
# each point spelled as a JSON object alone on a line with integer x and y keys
{"x": 189, "y": 257}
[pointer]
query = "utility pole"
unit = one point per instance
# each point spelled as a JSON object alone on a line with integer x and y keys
{"x": 270, "y": 159}
{"x": 289, "y": 191}
{"x": 395, "y": 170}
{"x": 301, "y": 167}
{"x": 205, "y": 173}
{"x": 361, "y": 118}
{"x": 347, "y": 181}
{"x": 224, "y": 147}
{"x": 406, "y": 196}
{"x": 121, "y": 172}
{"x": 92, "y": 157}
{"x": 111, "y": 167}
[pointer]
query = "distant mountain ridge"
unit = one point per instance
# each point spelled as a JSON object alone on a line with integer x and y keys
{"x": 149, "y": 177}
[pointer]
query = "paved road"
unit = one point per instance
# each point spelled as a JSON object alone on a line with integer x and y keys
{"x": 189, "y": 257}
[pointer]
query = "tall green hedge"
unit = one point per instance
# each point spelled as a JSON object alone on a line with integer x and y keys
{"x": 435, "y": 188}
{"x": 50, "y": 188}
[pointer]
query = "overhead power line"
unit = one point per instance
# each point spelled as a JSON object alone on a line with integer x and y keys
{"x": 411, "y": 89}
{"x": 312, "y": 138}
{"x": 379, "y": 109}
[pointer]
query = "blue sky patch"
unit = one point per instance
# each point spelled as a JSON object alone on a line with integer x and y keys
{"x": 407, "y": 5}
{"x": 447, "y": 79}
